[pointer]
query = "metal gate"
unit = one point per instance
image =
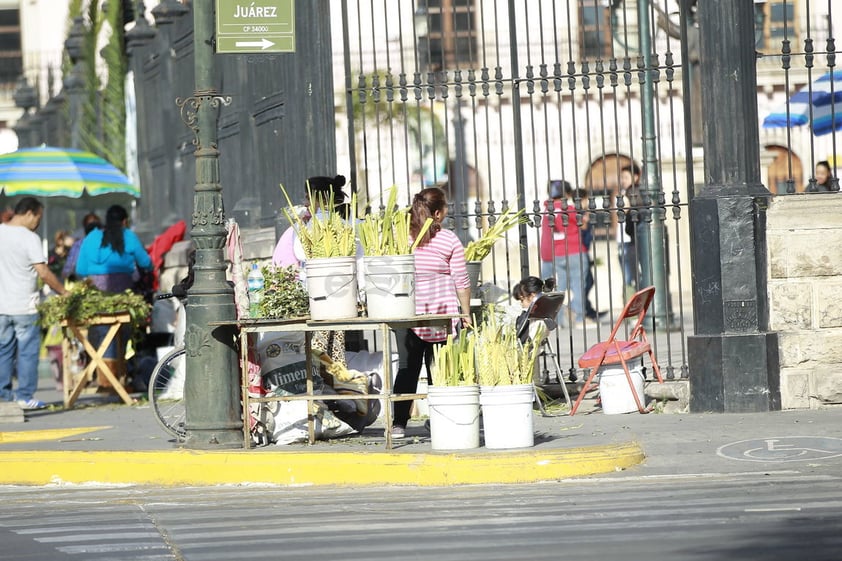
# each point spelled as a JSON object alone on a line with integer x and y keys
{"x": 497, "y": 100}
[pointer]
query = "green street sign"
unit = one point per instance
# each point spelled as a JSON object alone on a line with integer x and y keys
{"x": 255, "y": 26}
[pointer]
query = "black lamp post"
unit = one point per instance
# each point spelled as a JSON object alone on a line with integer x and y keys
{"x": 211, "y": 391}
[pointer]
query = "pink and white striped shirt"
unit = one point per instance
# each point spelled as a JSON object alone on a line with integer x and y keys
{"x": 439, "y": 270}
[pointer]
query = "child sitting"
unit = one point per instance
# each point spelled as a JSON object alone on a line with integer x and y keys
{"x": 526, "y": 291}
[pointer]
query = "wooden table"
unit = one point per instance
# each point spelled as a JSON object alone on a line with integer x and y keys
{"x": 385, "y": 326}
{"x": 72, "y": 388}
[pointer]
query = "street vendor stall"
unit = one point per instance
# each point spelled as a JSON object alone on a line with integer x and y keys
{"x": 308, "y": 327}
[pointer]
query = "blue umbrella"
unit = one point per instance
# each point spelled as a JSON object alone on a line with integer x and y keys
{"x": 819, "y": 104}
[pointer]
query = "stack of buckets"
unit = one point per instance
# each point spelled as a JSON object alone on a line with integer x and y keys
{"x": 506, "y": 416}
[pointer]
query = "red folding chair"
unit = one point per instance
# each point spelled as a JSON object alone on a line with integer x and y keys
{"x": 616, "y": 351}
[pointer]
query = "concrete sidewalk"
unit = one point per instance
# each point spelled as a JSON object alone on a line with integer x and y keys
{"x": 120, "y": 444}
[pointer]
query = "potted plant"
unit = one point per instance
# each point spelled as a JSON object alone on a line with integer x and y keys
{"x": 454, "y": 396}
{"x": 388, "y": 260}
{"x": 477, "y": 250}
{"x": 329, "y": 244}
{"x": 505, "y": 369}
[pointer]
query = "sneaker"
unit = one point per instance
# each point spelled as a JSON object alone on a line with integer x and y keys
{"x": 31, "y": 405}
{"x": 398, "y": 432}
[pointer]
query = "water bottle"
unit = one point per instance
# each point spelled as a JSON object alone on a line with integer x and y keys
{"x": 255, "y": 283}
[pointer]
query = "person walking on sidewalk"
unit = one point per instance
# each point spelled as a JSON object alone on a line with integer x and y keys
{"x": 22, "y": 263}
{"x": 563, "y": 256}
{"x": 626, "y": 250}
{"x": 441, "y": 287}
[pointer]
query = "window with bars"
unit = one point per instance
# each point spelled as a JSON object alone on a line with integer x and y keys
{"x": 774, "y": 21}
{"x": 447, "y": 34}
{"x": 11, "y": 59}
{"x": 595, "y": 35}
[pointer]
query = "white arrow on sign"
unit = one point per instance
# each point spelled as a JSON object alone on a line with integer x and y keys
{"x": 263, "y": 44}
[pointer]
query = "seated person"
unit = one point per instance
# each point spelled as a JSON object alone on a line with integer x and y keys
{"x": 526, "y": 291}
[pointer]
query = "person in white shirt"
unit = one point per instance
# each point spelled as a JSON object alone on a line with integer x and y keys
{"x": 22, "y": 263}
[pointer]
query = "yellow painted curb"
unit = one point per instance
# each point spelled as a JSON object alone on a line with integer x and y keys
{"x": 313, "y": 468}
{"x": 42, "y": 435}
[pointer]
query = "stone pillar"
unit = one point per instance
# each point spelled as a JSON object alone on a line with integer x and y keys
{"x": 733, "y": 356}
{"x": 74, "y": 81}
{"x": 26, "y": 98}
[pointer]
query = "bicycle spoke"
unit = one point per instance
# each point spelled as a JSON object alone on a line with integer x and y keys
{"x": 166, "y": 392}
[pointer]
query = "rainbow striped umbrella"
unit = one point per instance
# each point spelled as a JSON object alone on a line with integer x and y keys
{"x": 819, "y": 104}
{"x": 47, "y": 171}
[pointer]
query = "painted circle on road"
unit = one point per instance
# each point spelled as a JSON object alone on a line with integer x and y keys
{"x": 783, "y": 449}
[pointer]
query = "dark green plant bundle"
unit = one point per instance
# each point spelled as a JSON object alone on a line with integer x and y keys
{"x": 284, "y": 296}
{"x": 83, "y": 302}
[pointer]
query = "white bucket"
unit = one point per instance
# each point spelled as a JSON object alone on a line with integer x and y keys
{"x": 332, "y": 285}
{"x": 390, "y": 286}
{"x": 454, "y": 417}
{"x": 614, "y": 390}
{"x": 507, "y": 416}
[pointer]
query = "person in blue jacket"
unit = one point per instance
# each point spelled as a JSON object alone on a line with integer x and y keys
{"x": 112, "y": 258}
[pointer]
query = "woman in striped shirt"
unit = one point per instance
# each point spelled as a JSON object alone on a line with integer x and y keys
{"x": 441, "y": 287}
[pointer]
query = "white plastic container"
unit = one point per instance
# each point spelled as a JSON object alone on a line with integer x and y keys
{"x": 454, "y": 417}
{"x": 390, "y": 286}
{"x": 614, "y": 390}
{"x": 332, "y": 286}
{"x": 507, "y": 416}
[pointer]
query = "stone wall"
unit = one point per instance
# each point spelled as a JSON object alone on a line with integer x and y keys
{"x": 804, "y": 234}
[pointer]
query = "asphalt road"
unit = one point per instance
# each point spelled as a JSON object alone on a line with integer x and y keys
{"x": 768, "y": 515}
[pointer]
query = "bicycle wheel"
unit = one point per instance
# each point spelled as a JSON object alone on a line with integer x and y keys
{"x": 166, "y": 392}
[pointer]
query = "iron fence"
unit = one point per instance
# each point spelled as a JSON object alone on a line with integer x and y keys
{"x": 796, "y": 50}
{"x": 494, "y": 100}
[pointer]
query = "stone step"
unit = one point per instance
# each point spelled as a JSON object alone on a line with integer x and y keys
{"x": 10, "y": 412}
